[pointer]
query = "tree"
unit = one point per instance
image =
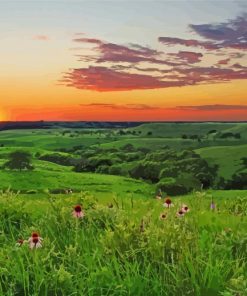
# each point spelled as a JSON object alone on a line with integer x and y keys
{"x": 128, "y": 147}
{"x": 19, "y": 160}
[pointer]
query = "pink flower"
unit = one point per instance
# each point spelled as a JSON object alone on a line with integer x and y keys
{"x": 168, "y": 203}
{"x": 185, "y": 209}
{"x": 180, "y": 213}
{"x": 78, "y": 212}
{"x": 35, "y": 241}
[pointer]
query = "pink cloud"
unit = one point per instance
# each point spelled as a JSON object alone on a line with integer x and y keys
{"x": 134, "y": 66}
{"x": 115, "y": 53}
{"x": 187, "y": 42}
{"x": 41, "y": 37}
{"x": 105, "y": 79}
{"x": 224, "y": 62}
{"x": 188, "y": 56}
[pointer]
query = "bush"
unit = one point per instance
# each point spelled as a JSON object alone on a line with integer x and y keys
{"x": 238, "y": 181}
{"x": 147, "y": 170}
{"x": 58, "y": 159}
{"x": 182, "y": 184}
{"x": 118, "y": 170}
{"x": 102, "y": 169}
{"x": 171, "y": 187}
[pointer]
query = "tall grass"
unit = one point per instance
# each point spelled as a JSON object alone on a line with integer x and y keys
{"x": 125, "y": 249}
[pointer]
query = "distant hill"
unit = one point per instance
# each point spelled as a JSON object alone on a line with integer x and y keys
{"x": 7, "y": 125}
{"x": 163, "y": 129}
{"x": 176, "y": 129}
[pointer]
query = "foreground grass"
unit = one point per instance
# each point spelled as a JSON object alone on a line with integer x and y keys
{"x": 109, "y": 253}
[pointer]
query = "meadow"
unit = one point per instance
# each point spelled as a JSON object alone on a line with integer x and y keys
{"x": 127, "y": 242}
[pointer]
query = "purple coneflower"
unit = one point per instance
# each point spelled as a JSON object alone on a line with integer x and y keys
{"x": 180, "y": 213}
{"x": 185, "y": 209}
{"x": 35, "y": 241}
{"x": 168, "y": 203}
{"x": 78, "y": 212}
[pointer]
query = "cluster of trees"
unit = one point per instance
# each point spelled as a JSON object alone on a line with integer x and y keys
{"x": 19, "y": 160}
{"x": 218, "y": 135}
{"x": 109, "y": 161}
{"x": 173, "y": 172}
{"x": 133, "y": 132}
{"x": 57, "y": 158}
{"x": 128, "y": 132}
{"x": 238, "y": 180}
{"x": 192, "y": 137}
{"x": 229, "y": 135}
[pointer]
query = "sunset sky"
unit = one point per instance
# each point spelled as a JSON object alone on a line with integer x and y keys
{"x": 123, "y": 60}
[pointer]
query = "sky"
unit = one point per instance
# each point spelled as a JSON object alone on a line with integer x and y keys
{"x": 120, "y": 60}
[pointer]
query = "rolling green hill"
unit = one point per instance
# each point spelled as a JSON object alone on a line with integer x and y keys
{"x": 49, "y": 176}
{"x": 174, "y": 130}
{"x": 49, "y": 139}
{"x": 228, "y": 158}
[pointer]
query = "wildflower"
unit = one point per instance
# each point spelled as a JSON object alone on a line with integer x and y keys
{"x": 180, "y": 213}
{"x": 20, "y": 242}
{"x": 158, "y": 196}
{"x": 78, "y": 212}
{"x": 212, "y": 206}
{"x": 35, "y": 241}
{"x": 168, "y": 203}
{"x": 162, "y": 216}
{"x": 185, "y": 209}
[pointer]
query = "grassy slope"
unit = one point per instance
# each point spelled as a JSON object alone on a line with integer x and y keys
{"x": 52, "y": 176}
{"x": 151, "y": 143}
{"x": 238, "y": 128}
{"x": 105, "y": 253}
{"x": 47, "y": 139}
{"x": 174, "y": 130}
{"x": 228, "y": 158}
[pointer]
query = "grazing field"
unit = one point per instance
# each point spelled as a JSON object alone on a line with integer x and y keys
{"x": 95, "y": 202}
